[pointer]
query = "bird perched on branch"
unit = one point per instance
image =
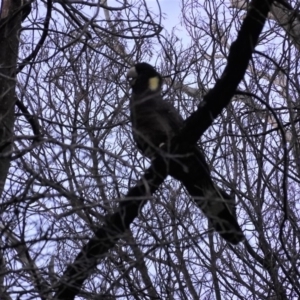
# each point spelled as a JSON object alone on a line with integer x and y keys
{"x": 154, "y": 123}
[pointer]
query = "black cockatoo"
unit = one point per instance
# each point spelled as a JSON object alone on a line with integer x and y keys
{"x": 154, "y": 123}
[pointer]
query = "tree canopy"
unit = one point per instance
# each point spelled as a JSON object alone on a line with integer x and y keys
{"x": 83, "y": 214}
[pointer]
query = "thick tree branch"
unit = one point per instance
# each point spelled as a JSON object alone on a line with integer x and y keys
{"x": 238, "y": 59}
{"x": 10, "y": 24}
{"x": 113, "y": 229}
{"x": 116, "y": 224}
{"x": 284, "y": 14}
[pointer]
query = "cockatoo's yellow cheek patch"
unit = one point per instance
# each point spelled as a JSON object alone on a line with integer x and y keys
{"x": 154, "y": 83}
